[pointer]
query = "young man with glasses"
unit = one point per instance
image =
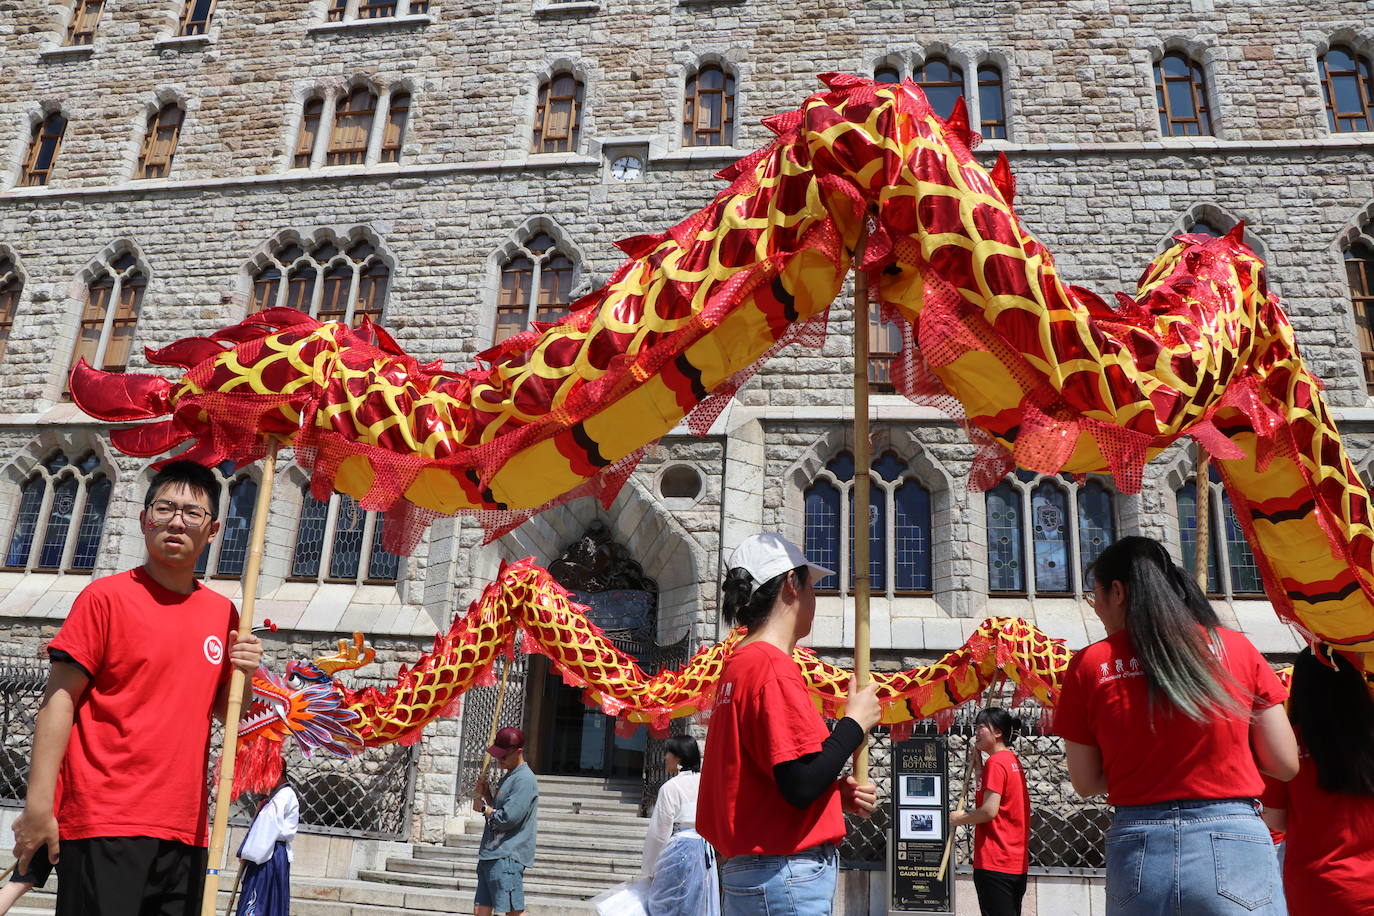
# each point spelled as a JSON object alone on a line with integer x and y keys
{"x": 117, "y": 782}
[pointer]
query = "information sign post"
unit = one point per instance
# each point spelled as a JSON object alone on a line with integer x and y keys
{"x": 920, "y": 825}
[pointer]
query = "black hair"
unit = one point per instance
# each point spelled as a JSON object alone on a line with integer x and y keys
{"x": 1164, "y": 609}
{"x": 195, "y": 476}
{"x": 998, "y": 719}
{"x": 1333, "y": 711}
{"x": 749, "y": 607}
{"x": 686, "y": 750}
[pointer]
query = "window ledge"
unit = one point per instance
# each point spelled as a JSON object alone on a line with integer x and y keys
{"x": 554, "y": 7}
{"x": 67, "y": 52}
{"x": 725, "y": 154}
{"x": 553, "y": 160}
{"x": 710, "y": 2}
{"x": 180, "y": 42}
{"x": 419, "y": 20}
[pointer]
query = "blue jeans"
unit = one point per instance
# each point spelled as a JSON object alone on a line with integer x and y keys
{"x": 802, "y": 884}
{"x": 1192, "y": 858}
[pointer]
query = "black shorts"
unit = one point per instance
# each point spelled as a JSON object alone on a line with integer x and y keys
{"x": 999, "y": 894}
{"x": 129, "y": 876}
{"x": 39, "y": 869}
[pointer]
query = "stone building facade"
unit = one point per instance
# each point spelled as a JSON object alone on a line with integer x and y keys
{"x": 447, "y": 205}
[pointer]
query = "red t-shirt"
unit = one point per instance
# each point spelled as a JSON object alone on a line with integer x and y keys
{"x": 763, "y": 716}
{"x": 1328, "y": 863}
{"x": 1168, "y": 757}
{"x": 1003, "y": 843}
{"x": 136, "y": 763}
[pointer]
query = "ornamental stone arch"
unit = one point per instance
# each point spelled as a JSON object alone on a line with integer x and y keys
{"x": 687, "y": 64}
{"x": 309, "y": 239}
{"x": 514, "y": 246}
{"x": 30, "y": 115}
{"x": 587, "y": 72}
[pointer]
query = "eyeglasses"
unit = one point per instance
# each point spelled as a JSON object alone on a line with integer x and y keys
{"x": 1091, "y": 598}
{"x": 164, "y": 510}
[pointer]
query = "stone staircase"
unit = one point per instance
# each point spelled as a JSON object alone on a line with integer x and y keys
{"x": 590, "y": 838}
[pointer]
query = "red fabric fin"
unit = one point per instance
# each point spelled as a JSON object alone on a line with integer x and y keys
{"x": 119, "y": 396}
{"x": 150, "y": 439}
{"x": 1003, "y": 179}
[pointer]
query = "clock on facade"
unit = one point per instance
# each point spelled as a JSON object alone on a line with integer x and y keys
{"x": 627, "y": 168}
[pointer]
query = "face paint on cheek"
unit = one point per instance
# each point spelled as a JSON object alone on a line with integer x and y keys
{"x": 150, "y": 525}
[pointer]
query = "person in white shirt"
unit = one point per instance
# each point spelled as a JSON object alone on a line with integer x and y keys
{"x": 266, "y": 855}
{"x": 680, "y": 864}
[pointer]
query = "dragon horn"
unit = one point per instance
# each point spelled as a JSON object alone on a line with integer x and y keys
{"x": 119, "y": 396}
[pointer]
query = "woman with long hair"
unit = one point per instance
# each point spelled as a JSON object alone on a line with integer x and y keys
{"x": 1173, "y": 716}
{"x": 1327, "y": 811}
{"x": 1001, "y": 832}
{"x": 771, "y": 798}
{"x": 680, "y": 864}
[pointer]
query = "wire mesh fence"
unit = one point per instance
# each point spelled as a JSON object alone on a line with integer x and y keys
{"x": 21, "y": 692}
{"x": 1067, "y": 832}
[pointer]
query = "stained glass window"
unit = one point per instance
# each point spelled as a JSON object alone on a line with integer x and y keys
{"x": 1006, "y": 557}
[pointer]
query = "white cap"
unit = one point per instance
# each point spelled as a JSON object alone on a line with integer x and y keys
{"x": 767, "y": 555}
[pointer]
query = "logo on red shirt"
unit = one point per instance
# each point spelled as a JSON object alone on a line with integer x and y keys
{"x": 214, "y": 650}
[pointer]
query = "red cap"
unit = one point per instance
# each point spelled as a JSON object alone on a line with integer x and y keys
{"x": 507, "y": 739}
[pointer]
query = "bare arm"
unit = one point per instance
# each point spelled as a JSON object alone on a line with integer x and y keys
{"x": 992, "y": 803}
{"x": 38, "y": 824}
{"x": 1085, "y": 769}
{"x": 1273, "y": 743}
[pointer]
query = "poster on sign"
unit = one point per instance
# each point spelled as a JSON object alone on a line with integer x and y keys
{"x": 920, "y": 790}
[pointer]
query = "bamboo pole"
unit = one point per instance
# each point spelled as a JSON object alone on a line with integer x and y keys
{"x": 863, "y": 516}
{"x": 1203, "y": 488}
{"x": 214, "y": 861}
{"x": 963, "y": 799}
{"x": 496, "y": 717}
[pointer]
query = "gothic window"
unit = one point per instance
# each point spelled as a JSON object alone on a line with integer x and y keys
{"x": 1359, "y": 270}
{"x": 887, "y": 73}
{"x": 1227, "y": 549}
{"x": 899, "y": 533}
{"x": 225, "y": 556}
{"x": 1066, "y": 525}
{"x": 160, "y": 141}
{"x": 11, "y": 286}
{"x": 352, "y": 127}
{"x": 336, "y": 541}
{"x": 398, "y": 113}
{"x": 558, "y": 115}
{"x": 708, "y": 110}
{"x": 942, "y": 82}
{"x": 884, "y": 345}
{"x": 62, "y": 509}
{"x": 327, "y": 282}
{"x": 349, "y": 10}
{"x": 1181, "y": 96}
{"x": 536, "y": 285}
{"x": 1348, "y": 90}
{"x": 113, "y": 298}
{"x": 44, "y": 145}
{"x": 992, "y": 112}
{"x": 309, "y": 132}
{"x": 85, "y": 16}
{"x": 196, "y": 16}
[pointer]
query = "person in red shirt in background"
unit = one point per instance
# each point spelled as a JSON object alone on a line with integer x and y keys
{"x": 1327, "y": 811}
{"x": 140, "y": 664}
{"x": 1173, "y": 716}
{"x": 770, "y": 798}
{"x": 1001, "y": 833}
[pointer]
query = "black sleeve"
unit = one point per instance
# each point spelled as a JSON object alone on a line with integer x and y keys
{"x": 805, "y": 779}
{"x": 57, "y": 655}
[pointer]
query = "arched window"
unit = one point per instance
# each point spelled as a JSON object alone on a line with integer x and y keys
{"x": 61, "y": 517}
{"x": 196, "y": 16}
{"x": 887, "y": 73}
{"x": 326, "y": 282}
{"x": 1181, "y": 95}
{"x": 336, "y": 541}
{"x": 226, "y": 555}
{"x": 1348, "y": 90}
{"x": 398, "y": 113}
{"x": 1068, "y": 526}
{"x": 992, "y": 112}
{"x": 11, "y": 287}
{"x": 899, "y": 533}
{"x": 540, "y": 266}
{"x": 352, "y": 127}
{"x": 160, "y": 141}
{"x": 1202, "y": 227}
{"x": 110, "y": 317}
{"x": 942, "y": 82}
{"x": 44, "y": 146}
{"x": 1359, "y": 270}
{"x": 1227, "y": 548}
{"x": 309, "y": 132}
{"x": 708, "y": 110}
{"x": 558, "y": 115}
{"x": 884, "y": 345}
{"x": 85, "y": 17}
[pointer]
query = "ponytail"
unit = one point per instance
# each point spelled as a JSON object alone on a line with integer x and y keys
{"x": 747, "y": 606}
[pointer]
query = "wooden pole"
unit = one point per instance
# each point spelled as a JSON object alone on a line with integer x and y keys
{"x": 214, "y": 861}
{"x": 1203, "y": 488}
{"x": 496, "y": 717}
{"x": 963, "y": 797}
{"x": 862, "y": 515}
